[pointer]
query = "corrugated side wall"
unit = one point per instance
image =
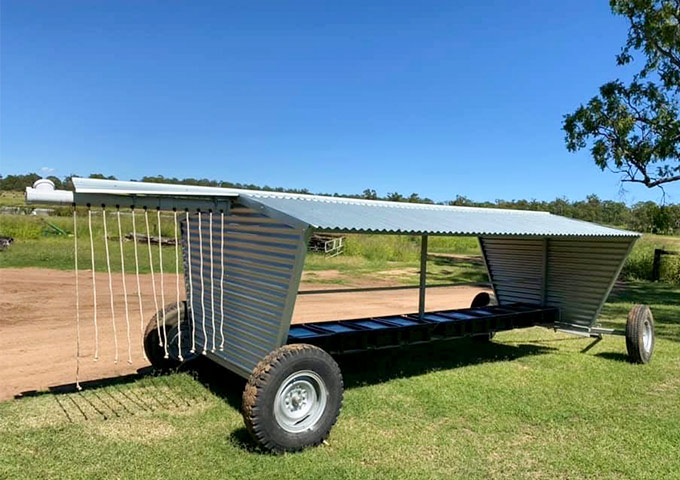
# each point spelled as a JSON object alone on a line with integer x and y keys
{"x": 516, "y": 268}
{"x": 247, "y": 314}
{"x": 577, "y": 273}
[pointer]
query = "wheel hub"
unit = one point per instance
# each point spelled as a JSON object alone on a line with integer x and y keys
{"x": 300, "y": 401}
{"x": 647, "y": 336}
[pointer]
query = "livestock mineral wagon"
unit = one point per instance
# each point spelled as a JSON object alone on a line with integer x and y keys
{"x": 243, "y": 253}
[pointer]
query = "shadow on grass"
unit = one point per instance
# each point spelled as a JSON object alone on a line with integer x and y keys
{"x": 615, "y": 356}
{"x": 373, "y": 367}
{"x": 111, "y": 398}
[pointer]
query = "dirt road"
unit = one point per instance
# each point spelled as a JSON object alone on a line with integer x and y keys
{"x": 38, "y": 328}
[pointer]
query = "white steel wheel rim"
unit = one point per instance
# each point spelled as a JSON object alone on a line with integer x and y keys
{"x": 647, "y": 336}
{"x": 300, "y": 401}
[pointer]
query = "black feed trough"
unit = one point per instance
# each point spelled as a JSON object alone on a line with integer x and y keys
{"x": 349, "y": 336}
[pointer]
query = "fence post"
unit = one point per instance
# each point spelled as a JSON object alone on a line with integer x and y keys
{"x": 656, "y": 266}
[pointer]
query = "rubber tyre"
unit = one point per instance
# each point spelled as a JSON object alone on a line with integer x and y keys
{"x": 640, "y": 320}
{"x": 259, "y": 397}
{"x": 155, "y": 352}
{"x": 482, "y": 299}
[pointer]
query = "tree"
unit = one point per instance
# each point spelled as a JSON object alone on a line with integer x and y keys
{"x": 634, "y": 129}
{"x": 369, "y": 194}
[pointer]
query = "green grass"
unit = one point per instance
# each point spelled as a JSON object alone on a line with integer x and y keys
{"x": 12, "y": 199}
{"x": 530, "y": 405}
{"x": 36, "y": 244}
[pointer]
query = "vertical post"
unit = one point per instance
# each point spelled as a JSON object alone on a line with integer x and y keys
{"x": 423, "y": 276}
{"x": 656, "y": 266}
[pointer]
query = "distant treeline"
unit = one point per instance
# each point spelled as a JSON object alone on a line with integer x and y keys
{"x": 648, "y": 217}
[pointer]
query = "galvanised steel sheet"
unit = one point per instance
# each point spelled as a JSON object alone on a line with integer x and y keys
{"x": 243, "y": 312}
{"x": 573, "y": 274}
{"x": 351, "y": 215}
{"x": 358, "y": 215}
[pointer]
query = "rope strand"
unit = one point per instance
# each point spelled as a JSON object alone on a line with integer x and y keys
{"x": 179, "y": 309}
{"x": 122, "y": 277}
{"x": 200, "y": 249}
{"x": 108, "y": 267}
{"x": 75, "y": 266}
{"x": 139, "y": 286}
{"x": 153, "y": 278}
{"x": 160, "y": 270}
{"x": 212, "y": 281}
{"x": 94, "y": 287}
{"x": 222, "y": 281}
{"x": 191, "y": 287}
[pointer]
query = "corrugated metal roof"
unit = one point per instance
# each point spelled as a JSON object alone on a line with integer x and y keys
{"x": 358, "y": 215}
{"x": 350, "y": 215}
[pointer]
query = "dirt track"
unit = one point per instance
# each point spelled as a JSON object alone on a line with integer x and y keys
{"x": 38, "y": 334}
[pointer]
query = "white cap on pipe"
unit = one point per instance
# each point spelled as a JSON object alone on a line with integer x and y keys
{"x": 43, "y": 191}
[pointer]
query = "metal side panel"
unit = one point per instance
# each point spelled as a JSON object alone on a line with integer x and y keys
{"x": 241, "y": 283}
{"x": 515, "y": 268}
{"x": 574, "y": 274}
{"x": 581, "y": 273}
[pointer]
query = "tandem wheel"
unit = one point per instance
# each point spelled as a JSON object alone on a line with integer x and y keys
{"x": 293, "y": 398}
{"x": 640, "y": 334}
{"x": 176, "y": 323}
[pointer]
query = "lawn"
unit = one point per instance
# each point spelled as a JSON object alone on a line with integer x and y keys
{"x": 529, "y": 405}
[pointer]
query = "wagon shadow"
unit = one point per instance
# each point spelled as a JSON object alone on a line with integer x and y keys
{"x": 417, "y": 360}
{"x": 614, "y": 356}
{"x": 374, "y": 367}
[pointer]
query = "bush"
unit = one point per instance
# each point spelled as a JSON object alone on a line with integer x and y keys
{"x": 640, "y": 262}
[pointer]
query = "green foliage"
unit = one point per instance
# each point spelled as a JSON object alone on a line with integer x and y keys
{"x": 638, "y": 266}
{"x": 633, "y": 129}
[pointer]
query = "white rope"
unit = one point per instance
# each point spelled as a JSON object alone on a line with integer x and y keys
{"x": 108, "y": 267}
{"x": 122, "y": 277}
{"x": 153, "y": 279}
{"x": 191, "y": 288}
{"x": 94, "y": 287}
{"x": 222, "y": 281}
{"x": 200, "y": 250}
{"x": 212, "y": 282}
{"x": 160, "y": 270}
{"x": 75, "y": 266}
{"x": 179, "y": 310}
{"x": 139, "y": 286}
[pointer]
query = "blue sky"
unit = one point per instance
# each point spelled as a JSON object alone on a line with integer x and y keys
{"x": 440, "y": 98}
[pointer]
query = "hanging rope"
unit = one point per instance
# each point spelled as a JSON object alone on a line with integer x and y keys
{"x": 222, "y": 280}
{"x": 122, "y": 277}
{"x": 191, "y": 287}
{"x": 200, "y": 250}
{"x": 153, "y": 279}
{"x": 212, "y": 286}
{"x": 160, "y": 270}
{"x": 108, "y": 267}
{"x": 94, "y": 286}
{"x": 139, "y": 286}
{"x": 179, "y": 310}
{"x": 75, "y": 266}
